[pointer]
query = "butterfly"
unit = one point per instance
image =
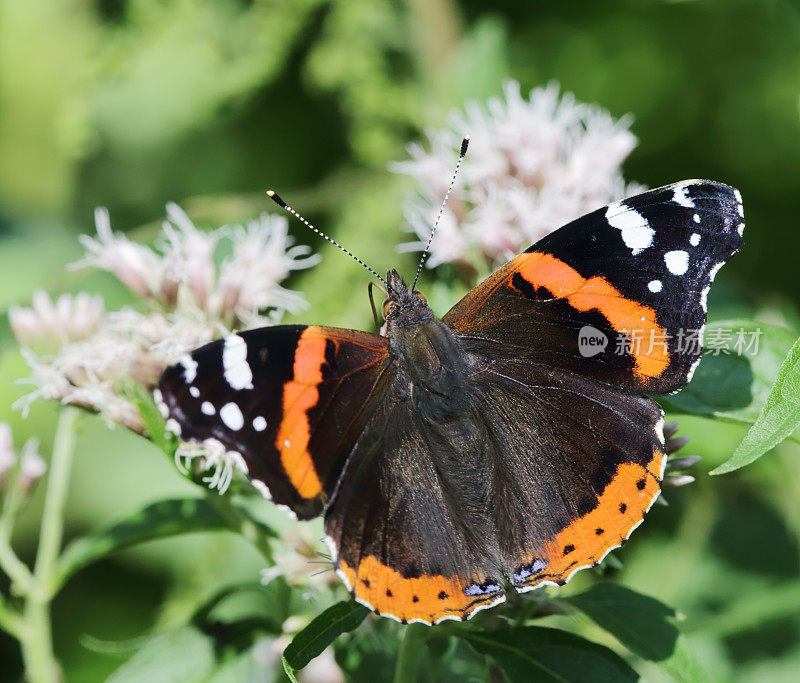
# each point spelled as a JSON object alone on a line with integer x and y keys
{"x": 499, "y": 448}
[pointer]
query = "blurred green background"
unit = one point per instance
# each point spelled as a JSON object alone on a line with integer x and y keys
{"x": 210, "y": 102}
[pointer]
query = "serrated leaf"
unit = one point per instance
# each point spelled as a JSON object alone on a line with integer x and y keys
{"x": 159, "y": 520}
{"x": 536, "y": 653}
{"x": 779, "y": 417}
{"x": 321, "y": 632}
{"x": 732, "y": 386}
{"x": 641, "y": 623}
{"x": 186, "y": 654}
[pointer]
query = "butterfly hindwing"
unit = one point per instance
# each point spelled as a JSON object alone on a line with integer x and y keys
{"x": 575, "y": 476}
{"x": 406, "y": 526}
{"x": 536, "y": 475}
{"x": 282, "y": 398}
{"x": 618, "y": 295}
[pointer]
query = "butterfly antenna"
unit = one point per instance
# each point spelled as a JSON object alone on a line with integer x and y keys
{"x": 276, "y": 198}
{"x": 462, "y": 154}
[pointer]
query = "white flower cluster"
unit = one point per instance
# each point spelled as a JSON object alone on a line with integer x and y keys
{"x": 533, "y": 165}
{"x": 31, "y": 465}
{"x": 195, "y": 287}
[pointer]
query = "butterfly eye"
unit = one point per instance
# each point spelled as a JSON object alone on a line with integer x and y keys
{"x": 387, "y": 307}
{"x": 421, "y": 296}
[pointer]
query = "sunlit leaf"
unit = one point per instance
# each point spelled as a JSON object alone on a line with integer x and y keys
{"x": 321, "y": 632}
{"x": 641, "y": 623}
{"x": 186, "y": 654}
{"x": 266, "y": 607}
{"x": 779, "y": 417}
{"x": 159, "y": 520}
{"x": 534, "y": 653}
{"x": 734, "y": 386}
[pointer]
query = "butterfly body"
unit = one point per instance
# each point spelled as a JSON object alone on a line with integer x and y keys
{"x": 432, "y": 367}
{"x": 458, "y": 458}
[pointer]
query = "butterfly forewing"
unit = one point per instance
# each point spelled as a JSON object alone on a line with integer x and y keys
{"x": 618, "y": 295}
{"x": 281, "y": 397}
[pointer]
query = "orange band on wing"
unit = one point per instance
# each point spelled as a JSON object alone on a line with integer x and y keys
{"x": 426, "y": 598}
{"x": 299, "y": 396}
{"x": 620, "y": 508}
{"x": 649, "y": 351}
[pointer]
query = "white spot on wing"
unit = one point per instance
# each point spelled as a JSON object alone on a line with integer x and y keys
{"x": 681, "y": 196}
{"x": 162, "y": 407}
{"x": 234, "y": 362}
{"x": 207, "y": 408}
{"x": 232, "y": 416}
{"x": 194, "y": 391}
{"x": 654, "y": 285}
{"x": 259, "y": 423}
{"x": 694, "y": 240}
{"x": 636, "y": 231}
{"x": 696, "y": 218}
{"x": 172, "y": 426}
{"x": 677, "y": 261}
{"x": 711, "y": 275}
{"x": 189, "y": 368}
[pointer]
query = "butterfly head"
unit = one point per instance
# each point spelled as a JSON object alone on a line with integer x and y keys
{"x": 403, "y": 305}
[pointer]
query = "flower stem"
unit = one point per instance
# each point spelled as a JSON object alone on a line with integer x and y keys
{"x": 15, "y": 568}
{"x": 37, "y": 638}
{"x": 407, "y": 667}
{"x": 10, "y": 620}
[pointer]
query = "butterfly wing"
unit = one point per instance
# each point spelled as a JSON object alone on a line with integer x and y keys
{"x": 618, "y": 295}
{"x": 539, "y": 474}
{"x": 281, "y": 397}
{"x": 407, "y": 527}
{"x": 574, "y": 477}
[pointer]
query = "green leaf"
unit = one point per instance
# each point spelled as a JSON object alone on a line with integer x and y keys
{"x": 321, "y": 632}
{"x": 154, "y": 422}
{"x": 186, "y": 654}
{"x": 779, "y": 417}
{"x": 159, "y": 520}
{"x": 267, "y": 606}
{"x": 535, "y": 653}
{"x": 734, "y": 387}
{"x": 641, "y": 623}
{"x": 289, "y": 671}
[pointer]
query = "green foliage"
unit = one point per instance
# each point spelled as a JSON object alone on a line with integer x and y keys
{"x": 186, "y": 654}
{"x": 778, "y": 419}
{"x": 547, "y": 654}
{"x": 734, "y": 386}
{"x": 644, "y": 625}
{"x": 154, "y": 423}
{"x": 159, "y": 520}
{"x": 320, "y": 633}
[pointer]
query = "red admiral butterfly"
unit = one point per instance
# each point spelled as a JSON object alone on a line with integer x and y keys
{"x": 458, "y": 458}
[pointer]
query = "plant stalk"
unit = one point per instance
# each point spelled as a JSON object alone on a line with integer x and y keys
{"x": 37, "y": 638}
{"x": 14, "y": 568}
